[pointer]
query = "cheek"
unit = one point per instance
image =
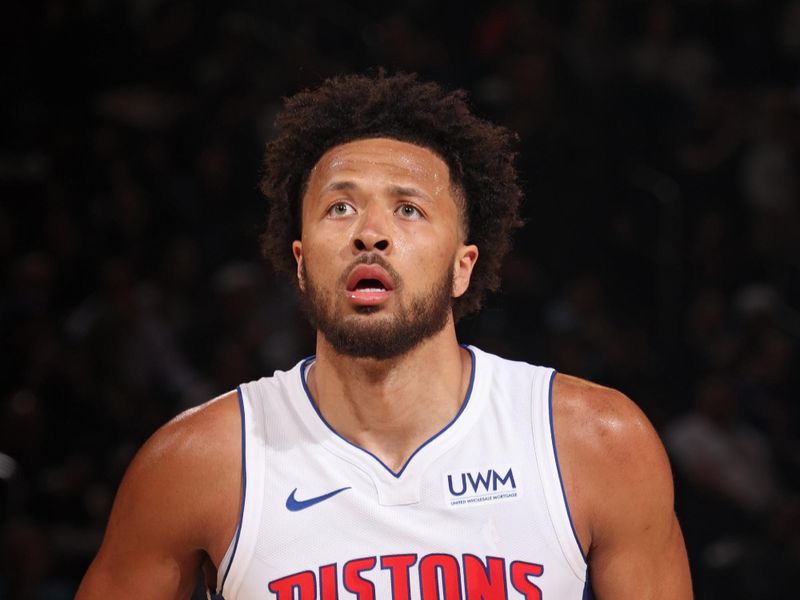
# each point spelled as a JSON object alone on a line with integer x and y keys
{"x": 329, "y": 239}
{"x": 322, "y": 258}
{"x": 426, "y": 256}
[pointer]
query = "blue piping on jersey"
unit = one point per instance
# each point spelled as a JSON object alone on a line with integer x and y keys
{"x": 587, "y": 588}
{"x": 397, "y": 475}
{"x": 558, "y": 468}
{"x": 244, "y": 493}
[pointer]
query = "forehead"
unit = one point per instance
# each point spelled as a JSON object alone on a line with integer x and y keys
{"x": 382, "y": 156}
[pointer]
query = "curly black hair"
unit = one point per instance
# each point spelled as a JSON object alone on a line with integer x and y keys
{"x": 347, "y": 108}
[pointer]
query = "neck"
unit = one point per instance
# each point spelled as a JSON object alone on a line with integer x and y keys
{"x": 391, "y": 407}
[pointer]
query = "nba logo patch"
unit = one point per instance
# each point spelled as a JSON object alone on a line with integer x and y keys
{"x": 485, "y": 485}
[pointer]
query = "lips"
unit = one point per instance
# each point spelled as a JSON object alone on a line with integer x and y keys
{"x": 369, "y": 277}
{"x": 368, "y": 285}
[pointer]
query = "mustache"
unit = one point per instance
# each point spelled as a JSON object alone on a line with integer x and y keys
{"x": 372, "y": 259}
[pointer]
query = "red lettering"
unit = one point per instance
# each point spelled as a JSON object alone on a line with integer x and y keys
{"x": 304, "y": 582}
{"x": 484, "y": 582}
{"x": 328, "y": 588}
{"x": 520, "y": 571}
{"x": 399, "y": 566}
{"x": 430, "y": 567}
{"x": 364, "y": 589}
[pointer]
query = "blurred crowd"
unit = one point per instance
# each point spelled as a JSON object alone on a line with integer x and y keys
{"x": 658, "y": 150}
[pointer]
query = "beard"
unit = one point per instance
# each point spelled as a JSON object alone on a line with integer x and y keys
{"x": 369, "y": 334}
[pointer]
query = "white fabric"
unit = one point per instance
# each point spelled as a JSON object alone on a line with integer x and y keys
{"x": 498, "y": 527}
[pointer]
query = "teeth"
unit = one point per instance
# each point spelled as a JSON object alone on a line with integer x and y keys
{"x": 371, "y": 289}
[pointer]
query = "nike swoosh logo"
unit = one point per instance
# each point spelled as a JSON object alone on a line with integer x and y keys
{"x": 293, "y": 504}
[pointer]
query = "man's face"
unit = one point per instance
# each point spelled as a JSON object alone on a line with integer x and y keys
{"x": 382, "y": 252}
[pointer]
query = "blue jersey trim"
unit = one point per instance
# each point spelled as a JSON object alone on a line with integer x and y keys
{"x": 244, "y": 493}
{"x": 558, "y": 468}
{"x": 397, "y": 475}
{"x": 587, "y": 588}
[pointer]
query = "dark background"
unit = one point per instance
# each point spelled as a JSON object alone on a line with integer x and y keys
{"x": 659, "y": 150}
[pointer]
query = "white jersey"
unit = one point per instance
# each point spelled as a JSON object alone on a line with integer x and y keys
{"x": 477, "y": 512}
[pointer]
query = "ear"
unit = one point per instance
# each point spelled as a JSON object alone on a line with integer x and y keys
{"x": 297, "y": 250}
{"x": 466, "y": 257}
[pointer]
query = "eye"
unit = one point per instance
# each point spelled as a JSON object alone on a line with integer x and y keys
{"x": 341, "y": 209}
{"x": 409, "y": 211}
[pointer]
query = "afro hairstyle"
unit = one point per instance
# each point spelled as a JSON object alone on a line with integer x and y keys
{"x": 351, "y": 107}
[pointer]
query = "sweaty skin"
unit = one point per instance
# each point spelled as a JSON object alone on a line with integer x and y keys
{"x": 176, "y": 509}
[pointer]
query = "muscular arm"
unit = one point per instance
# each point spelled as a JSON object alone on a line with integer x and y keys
{"x": 177, "y": 504}
{"x": 619, "y": 485}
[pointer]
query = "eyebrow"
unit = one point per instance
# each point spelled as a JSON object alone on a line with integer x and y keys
{"x": 394, "y": 190}
{"x": 398, "y": 190}
{"x": 337, "y": 186}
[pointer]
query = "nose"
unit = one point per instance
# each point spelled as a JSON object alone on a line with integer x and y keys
{"x": 372, "y": 233}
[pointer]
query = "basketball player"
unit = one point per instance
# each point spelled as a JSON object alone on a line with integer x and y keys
{"x": 396, "y": 463}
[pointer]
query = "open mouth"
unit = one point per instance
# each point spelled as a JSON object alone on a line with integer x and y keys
{"x": 369, "y": 277}
{"x": 369, "y": 285}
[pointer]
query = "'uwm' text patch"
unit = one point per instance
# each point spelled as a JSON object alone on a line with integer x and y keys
{"x": 472, "y": 487}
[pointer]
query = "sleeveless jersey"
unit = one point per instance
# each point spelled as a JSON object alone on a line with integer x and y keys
{"x": 477, "y": 512}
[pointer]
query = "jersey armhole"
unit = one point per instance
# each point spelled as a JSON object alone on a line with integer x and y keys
{"x": 550, "y": 471}
{"x": 230, "y": 554}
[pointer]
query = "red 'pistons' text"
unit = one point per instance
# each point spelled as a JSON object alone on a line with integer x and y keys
{"x": 435, "y": 576}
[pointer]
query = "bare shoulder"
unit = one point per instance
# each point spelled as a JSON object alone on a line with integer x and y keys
{"x": 618, "y": 484}
{"x": 610, "y": 454}
{"x": 596, "y": 418}
{"x": 177, "y": 506}
{"x": 193, "y": 464}
{"x": 199, "y": 440}
{"x": 198, "y": 435}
